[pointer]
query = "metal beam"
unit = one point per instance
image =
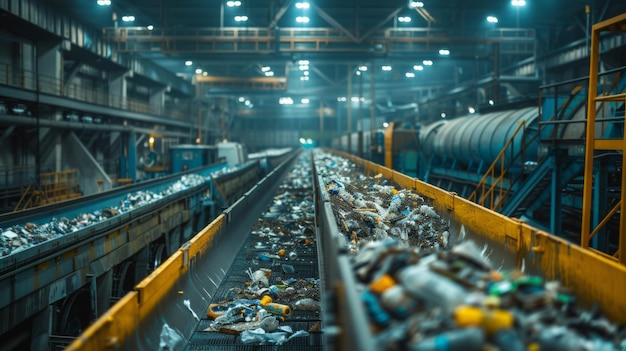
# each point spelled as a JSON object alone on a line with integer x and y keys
{"x": 393, "y": 14}
{"x": 328, "y": 18}
{"x": 279, "y": 14}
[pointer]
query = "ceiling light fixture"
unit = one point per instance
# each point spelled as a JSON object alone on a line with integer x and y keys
{"x": 266, "y": 68}
{"x": 304, "y": 100}
{"x": 518, "y": 3}
{"x": 128, "y": 18}
{"x": 188, "y": 63}
{"x": 302, "y": 19}
{"x": 409, "y": 75}
{"x": 198, "y": 70}
{"x": 285, "y": 101}
{"x": 427, "y": 62}
{"x": 241, "y": 18}
{"x": 387, "y": 68}
{"x": 362, "y": 68}
{"x": 492, "y": 19}
{"x": 104, "y": 2}
{"x": 150, "y": 27}
{"x": 418, "y": 67}
{"x": 303, "y": 62}
{"x": 404, "y": 19}
{"x": 233, "y": 3}
{"x": 269, "y": 74}
{"x": 444, "y": 52}
{"x": 415, "y": 4}
{"x": 302, "y": 5}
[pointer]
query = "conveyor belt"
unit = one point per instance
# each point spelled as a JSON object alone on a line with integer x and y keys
{"x": 305, "y": 266}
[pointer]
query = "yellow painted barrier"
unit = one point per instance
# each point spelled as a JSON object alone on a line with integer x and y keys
{"x": 201, "y": 242}
{"x": 154, "y": 287}
{"x": 112, "y": 328}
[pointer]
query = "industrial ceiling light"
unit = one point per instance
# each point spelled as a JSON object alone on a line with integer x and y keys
{"x": 150, "y": 27}
{"x": 266, "y": 68}
{"x": 302, "y": 5}
{"x": 233, "y": 3}
{"x": 242, "y": 99}
{"x": 492, "y": 19}
{"x": 188, "y": 63}
{"x": 304, "y": 78}
{"x": 304, "y": 67}
{"x": 241, "y": 18}
{"x": 104, "y": 2}
{"x": 302, "y": 19}
{"x": 443, "y": 115}
{"x": 471, "y": 109}
{"x": 409, "y": 75}
{"x": 306, "y": 73}
{"x": 269, "y": 74}
{"x": 415, "y": 4}
{"x": 404, "y": 19}
{"x": 491, "y": 102}
{"x": 518, "y": 3}
{"x": 385, "y": 124}
{"x": 342, "y": 99}
{"x": 303, "y": 62}
{"x": 444, "y": 52}
{"x": 285, "y": 100}
{"x": 128, "y": 18}
{"x": 304, "y": 100}
{"x": 387, "y": 68}
{"x": 198, "y": 70}
{"x": 362, "y": 68}
{"x": 418, "y": 67}
{"x": 427, "y": 62}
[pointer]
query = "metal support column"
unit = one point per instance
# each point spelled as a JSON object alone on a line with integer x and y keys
{"x": 592, "y": 144}
{"x": 349, "y": 109}
{"x": 555, "y": 194}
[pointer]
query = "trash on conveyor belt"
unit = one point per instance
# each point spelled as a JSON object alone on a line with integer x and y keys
{"x": 422, "y": 292}
{"x": 276, "y": 297}
{"x": 20, "y": 237}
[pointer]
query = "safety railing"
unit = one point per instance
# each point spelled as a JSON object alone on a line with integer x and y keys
{"x": 492, "y": 188}
{"x": 26, "y": 79}
{"x": 598, "y": 143}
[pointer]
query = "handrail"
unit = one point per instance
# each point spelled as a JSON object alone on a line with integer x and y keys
{"x": 27, "y": 79}
{"x": 489, "y": 194}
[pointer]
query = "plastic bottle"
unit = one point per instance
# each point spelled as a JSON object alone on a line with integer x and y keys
{"x": 509, "y": 340}
{"x": 469, "y": 339}
{"x": 434, "y": 289}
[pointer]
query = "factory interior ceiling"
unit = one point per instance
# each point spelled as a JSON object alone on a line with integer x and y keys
{"x": 412, "y": 52}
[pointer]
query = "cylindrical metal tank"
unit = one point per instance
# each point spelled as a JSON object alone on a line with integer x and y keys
{"x": 482, "y": 137}
{"x": 427, "y": 136}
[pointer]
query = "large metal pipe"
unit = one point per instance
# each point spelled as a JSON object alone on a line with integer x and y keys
{"x": 482, "y": 137}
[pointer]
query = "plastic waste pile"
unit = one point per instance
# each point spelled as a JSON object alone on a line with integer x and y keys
{"x": 277, "y": 286}
{"x": 455, "y": 300}
{"x": 19, "y": 237}
{"x": 424, "y": 292}
{"x": 371, "y": 208}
